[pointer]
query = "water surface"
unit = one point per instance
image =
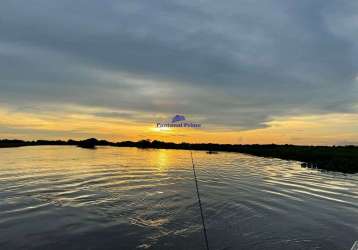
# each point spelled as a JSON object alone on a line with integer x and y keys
{"x": 54, "y": 197}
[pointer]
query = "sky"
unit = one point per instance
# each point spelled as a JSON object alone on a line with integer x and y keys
{"x": 269, "y": 71}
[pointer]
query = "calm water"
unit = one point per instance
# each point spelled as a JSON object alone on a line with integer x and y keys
{"x": 126, "y": 198}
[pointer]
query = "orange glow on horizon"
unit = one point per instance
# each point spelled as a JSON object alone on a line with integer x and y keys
{"x": 313, "y": 129}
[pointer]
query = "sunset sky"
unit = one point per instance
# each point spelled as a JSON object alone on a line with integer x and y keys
{"x": 275, "y": 71}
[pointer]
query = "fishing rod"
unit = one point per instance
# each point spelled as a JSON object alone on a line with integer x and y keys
{"x": 199, "y": 201}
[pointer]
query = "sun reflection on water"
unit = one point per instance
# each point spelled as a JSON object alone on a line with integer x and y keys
{"x": 162, "y": 160}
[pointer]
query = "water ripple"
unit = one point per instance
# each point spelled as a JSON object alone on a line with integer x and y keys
{"x": 67, "y": 197}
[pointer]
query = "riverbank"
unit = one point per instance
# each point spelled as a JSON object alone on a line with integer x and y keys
{"x": 332, "y": 158}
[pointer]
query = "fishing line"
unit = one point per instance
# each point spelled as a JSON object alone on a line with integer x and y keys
{"x": 199, "y": 201}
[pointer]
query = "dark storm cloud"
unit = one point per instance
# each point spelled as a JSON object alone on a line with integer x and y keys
{"x": 234, "y": 63}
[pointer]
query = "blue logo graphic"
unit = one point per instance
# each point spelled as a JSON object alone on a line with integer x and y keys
{"x": 178, "y": 118}
{"x": 178, "y": 121}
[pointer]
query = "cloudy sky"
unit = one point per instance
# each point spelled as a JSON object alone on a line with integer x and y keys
{"x": 282, "y": 71}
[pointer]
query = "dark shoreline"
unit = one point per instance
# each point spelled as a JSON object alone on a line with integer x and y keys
{"x": 332, "y": 158}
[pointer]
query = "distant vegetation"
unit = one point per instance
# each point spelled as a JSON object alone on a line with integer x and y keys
{"x": 332, "y": 158}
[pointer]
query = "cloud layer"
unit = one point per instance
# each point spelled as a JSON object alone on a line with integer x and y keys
{"x": 233, "y": 64}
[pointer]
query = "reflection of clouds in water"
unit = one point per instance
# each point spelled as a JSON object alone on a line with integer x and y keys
{"x": 134, "y": 198}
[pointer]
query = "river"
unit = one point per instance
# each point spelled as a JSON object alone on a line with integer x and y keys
{"x": 63, "y": 197}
